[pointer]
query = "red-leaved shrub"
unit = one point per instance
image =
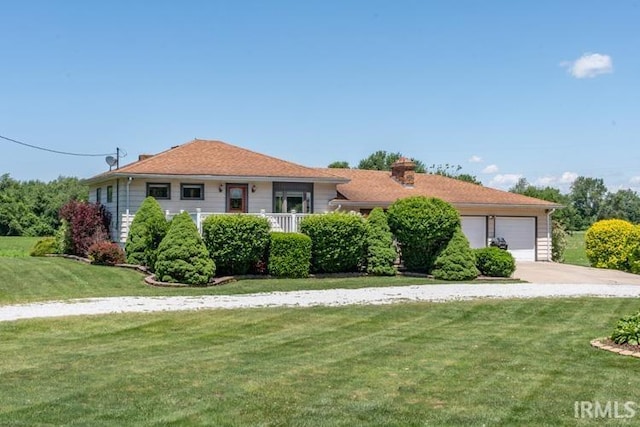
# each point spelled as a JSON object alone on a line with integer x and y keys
{"x": 88, "y": 224}
{"x": 106, "y": 253}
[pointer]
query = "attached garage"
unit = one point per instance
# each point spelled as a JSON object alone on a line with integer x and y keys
{"x": 475, "y": 228}
{"x": 520, "y": 234}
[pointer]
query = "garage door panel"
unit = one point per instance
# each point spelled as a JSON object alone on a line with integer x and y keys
{"x": 520, "y": 234}
{"x": 475, "y": 228}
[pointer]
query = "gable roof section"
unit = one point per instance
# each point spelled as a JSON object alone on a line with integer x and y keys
{"x": 204, "y": 158}
{"x": 378, "y": 188}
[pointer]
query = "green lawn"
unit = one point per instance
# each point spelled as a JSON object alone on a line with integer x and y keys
{"x": 574, "y": 253}
{"x": 28, "y": 279}
{"x": 521, "y": 362}
{"x": 16, "y": 246}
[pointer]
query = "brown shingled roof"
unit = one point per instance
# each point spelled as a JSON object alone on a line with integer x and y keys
{"x": 379, "y": 189}
{"x": 217, "y": 158}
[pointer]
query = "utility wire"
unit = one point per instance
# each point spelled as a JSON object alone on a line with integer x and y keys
{"x": 66, "y": 153}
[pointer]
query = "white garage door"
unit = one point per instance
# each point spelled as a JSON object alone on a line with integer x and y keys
{"x": 520, "y": 234}
{"x": 475, "y": 228}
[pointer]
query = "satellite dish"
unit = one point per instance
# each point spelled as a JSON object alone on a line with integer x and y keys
{"x": 111, "y": 161}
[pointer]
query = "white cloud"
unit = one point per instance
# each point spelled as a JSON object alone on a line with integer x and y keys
{"x": 545, "y": 181}
{"x": 475, "y": 159}
{"x": 589, "y": 65}
{"x": 568, "y": 177}
{"x": 490, "y": 169}
{"x": 504, "y": 180}
{"x": 635, "y": 180}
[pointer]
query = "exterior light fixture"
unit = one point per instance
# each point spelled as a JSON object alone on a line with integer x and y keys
{"x": 220, "y": 188}
{"x": 253, "y": 188}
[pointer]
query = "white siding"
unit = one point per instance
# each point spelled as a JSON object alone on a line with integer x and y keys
{"x": 322, "y": 194}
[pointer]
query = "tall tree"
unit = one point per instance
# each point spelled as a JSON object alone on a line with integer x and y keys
{"x": 587, "y": 196}
{"x": 623, "y": 204}
{"x": 568, "y": 216}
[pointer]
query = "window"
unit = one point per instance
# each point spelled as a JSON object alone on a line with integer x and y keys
{"x": 192, "y": 191}
{"x": 159, "y": 191}
{"x": 292, "y": 196}
{"x": 98, "y": 195}
{"x": 110, "y": 194}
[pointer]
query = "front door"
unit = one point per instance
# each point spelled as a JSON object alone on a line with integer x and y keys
{"x": 237, "y": 198}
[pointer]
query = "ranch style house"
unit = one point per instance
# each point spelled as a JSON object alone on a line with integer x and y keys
{"x": 206, "y": 177}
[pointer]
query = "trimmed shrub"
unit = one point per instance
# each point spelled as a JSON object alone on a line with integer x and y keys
{"x": 423, "y": 227}
{"x": 558, "y": 241}
{"x": 381, "y": 254}
{"x": 182, "y": 256}
{"x": 338, "y": 242}
{"x": 457, "y": 260}
{"x": 627, "y": 330}
{"x": 236, "y": 242}
{"x": 106, "y": 253}
{"x": 63, "y": 238}
{"x": 289, "y": 255}
{"x": 495, "y": 262}
{"x": 607, "y": 244}
{"x": 45, "y": 246}
{"x": 87, "y": 223}
{"x": 147, "y": 230}
{"x": 634, "y": 253}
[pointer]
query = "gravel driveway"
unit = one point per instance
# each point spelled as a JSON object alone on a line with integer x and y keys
{"x": 330, "y": 297}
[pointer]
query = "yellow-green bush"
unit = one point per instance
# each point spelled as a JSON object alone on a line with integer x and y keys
{"x": 634, "y": 255}
{"x": 609, "y": 244}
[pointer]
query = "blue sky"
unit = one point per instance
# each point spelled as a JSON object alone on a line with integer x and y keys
{"x": 547, "y": 90}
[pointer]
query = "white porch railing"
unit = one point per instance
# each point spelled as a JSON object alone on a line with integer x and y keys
{"x": 287, "y": 222}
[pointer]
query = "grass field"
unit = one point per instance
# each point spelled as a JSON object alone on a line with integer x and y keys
{"x": 519, "y": 362}
{"x": 574, "y": 253}
{"x": 28, "y": 279}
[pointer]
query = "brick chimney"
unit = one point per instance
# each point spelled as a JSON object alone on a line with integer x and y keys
{"x": 144, "y": 156}
{"x": 403, "y": 171}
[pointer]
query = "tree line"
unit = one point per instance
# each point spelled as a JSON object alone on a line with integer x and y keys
{"x": 588, "y": 201}
{"x": 30, "y": 208}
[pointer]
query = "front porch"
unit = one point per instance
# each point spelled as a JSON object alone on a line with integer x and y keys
{"x": 286, "y": 222}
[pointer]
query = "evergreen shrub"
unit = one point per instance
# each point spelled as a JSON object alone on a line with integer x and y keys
{"x": 381, "y": 253}
{"x": 457, "y": 260}
{"x": 146, "y": 231}
{"x": 182, "y": 256}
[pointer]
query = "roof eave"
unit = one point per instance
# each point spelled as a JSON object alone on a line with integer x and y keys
{"x": 116, "y": 174}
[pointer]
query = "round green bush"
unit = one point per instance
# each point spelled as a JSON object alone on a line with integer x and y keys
{"x": 338, "y": 242}
{"x": 289, "y": 255}
{"x": 381, "y": 253}
{"x": 634, "y": 253}
{"x": 457, "y": 260}
{"x": 147, "y": 230}
{"x": 423, "y": 227}
{"x": 182, "y": 256}
{"x": 495, "y": 262}
{"x": 609, "y": 244}
{"x": 45, "y": 246}
{"x": 627, "y": 330}
{"x": 236, "y": 242}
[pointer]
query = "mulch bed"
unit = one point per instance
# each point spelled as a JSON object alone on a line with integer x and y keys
{"x": 622, "y": 349}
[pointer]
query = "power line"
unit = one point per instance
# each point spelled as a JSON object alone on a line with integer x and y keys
{"x": 66, "y": 153}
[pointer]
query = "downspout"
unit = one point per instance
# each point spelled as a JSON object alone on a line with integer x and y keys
{"x": 129, "y": 179}
{"x": 549, "y": 234}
